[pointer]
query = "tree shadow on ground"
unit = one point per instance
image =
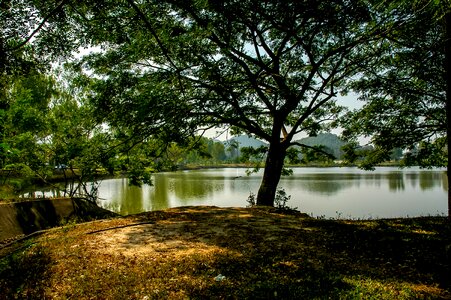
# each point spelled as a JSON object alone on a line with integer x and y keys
{"x": 24, "y": 274}
{"x": 27, "y": 217}
{"x": 409, "y": 250}
{"x": 270, "y": 255}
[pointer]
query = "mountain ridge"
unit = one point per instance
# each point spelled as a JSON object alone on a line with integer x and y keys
{"x": 330, "y": 141}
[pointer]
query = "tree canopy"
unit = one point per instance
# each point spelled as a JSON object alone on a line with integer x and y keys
{"x": 272, "y": 69}
{"x": 404, "y": 94}
{"x": 406, "y": 91}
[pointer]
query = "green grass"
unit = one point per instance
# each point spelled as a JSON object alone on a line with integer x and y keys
{"x": 259, "y": 253}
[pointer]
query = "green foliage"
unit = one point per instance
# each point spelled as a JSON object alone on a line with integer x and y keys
{"x": 44, "y": 126}
{"x": 367, "y": 157}
{"x": 281, "y": 199}
{"x": 233, "y": 150}
{"x": 404, "y": 93}
{"x": 251, "y": 200}
{"x": 259, "y": 67}
{"x": 349, "y": 152}
{"x": 217, "y": 151}
{"x": 293, "y": 156}
{"x": 197, "y": 150}
{"x": 270, "y": 69}
{"x": 250, "y": 154}
{"x": 25, "y": 125}
{"x": 427, "y": 155}
{"x": 396, "y": 154}
{"x": 317, "y": 153}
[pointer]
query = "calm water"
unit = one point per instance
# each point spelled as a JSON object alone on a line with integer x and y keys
{"x": 330, "y": 192}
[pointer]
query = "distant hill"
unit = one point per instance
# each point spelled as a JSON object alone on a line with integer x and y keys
{"x": 331, "y": 141}
{"x": 242, "y": 141}
{"x": 245, "y": 141}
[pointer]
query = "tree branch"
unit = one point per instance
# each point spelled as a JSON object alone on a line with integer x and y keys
{"x": 54, "y": 11}
{"x": 319, "y": 150}
{"x": 152, "y": 31}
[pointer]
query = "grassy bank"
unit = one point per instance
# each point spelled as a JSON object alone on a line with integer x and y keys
{"x": 205, "y": 252}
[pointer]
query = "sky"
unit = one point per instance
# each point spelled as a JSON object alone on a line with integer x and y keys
{"x": 350, "y": 101}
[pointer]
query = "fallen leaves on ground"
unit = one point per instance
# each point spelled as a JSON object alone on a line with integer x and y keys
{"x": 232, "y": 253}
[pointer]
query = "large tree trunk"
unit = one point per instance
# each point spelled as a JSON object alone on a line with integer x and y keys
{"x": 448, "y": 100}
{"x": 272, "y": 173}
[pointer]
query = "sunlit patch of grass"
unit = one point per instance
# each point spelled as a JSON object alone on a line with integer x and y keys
{"x": 204, "y": 253}
{"x": 396, "y": 225}
{"x": 370, "y": 288}
{"x": 367, "y": 224}
{"x": 168, "y": 275}
{"x": 421, "y": 231}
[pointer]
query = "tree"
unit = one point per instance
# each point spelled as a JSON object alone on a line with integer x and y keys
{"x": 317, "y": 153}
{"x": 233, "y": 149}
{"x": 271, "y": 69}
{"x": 78, "y": 147}
{"x": 25, "y": 123}
{"x": 14, "y": 68}
{"x": 407, "y": 91}
{"x": 217, "y": 151}
{"x": 45, "y": 128}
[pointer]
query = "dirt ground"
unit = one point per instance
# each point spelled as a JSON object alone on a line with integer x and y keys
{"x": 232, "y": 253}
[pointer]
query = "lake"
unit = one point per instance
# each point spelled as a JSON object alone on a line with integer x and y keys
{"x": 321, "y": 192}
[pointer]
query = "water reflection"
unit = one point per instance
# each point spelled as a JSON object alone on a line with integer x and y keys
{"x": 188, "y": 186}
{"x": 117, "y": 195}
{"x": 386, "y": 192}
{"x": 323, "y": 184}
{"x": 332, "y": 183}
